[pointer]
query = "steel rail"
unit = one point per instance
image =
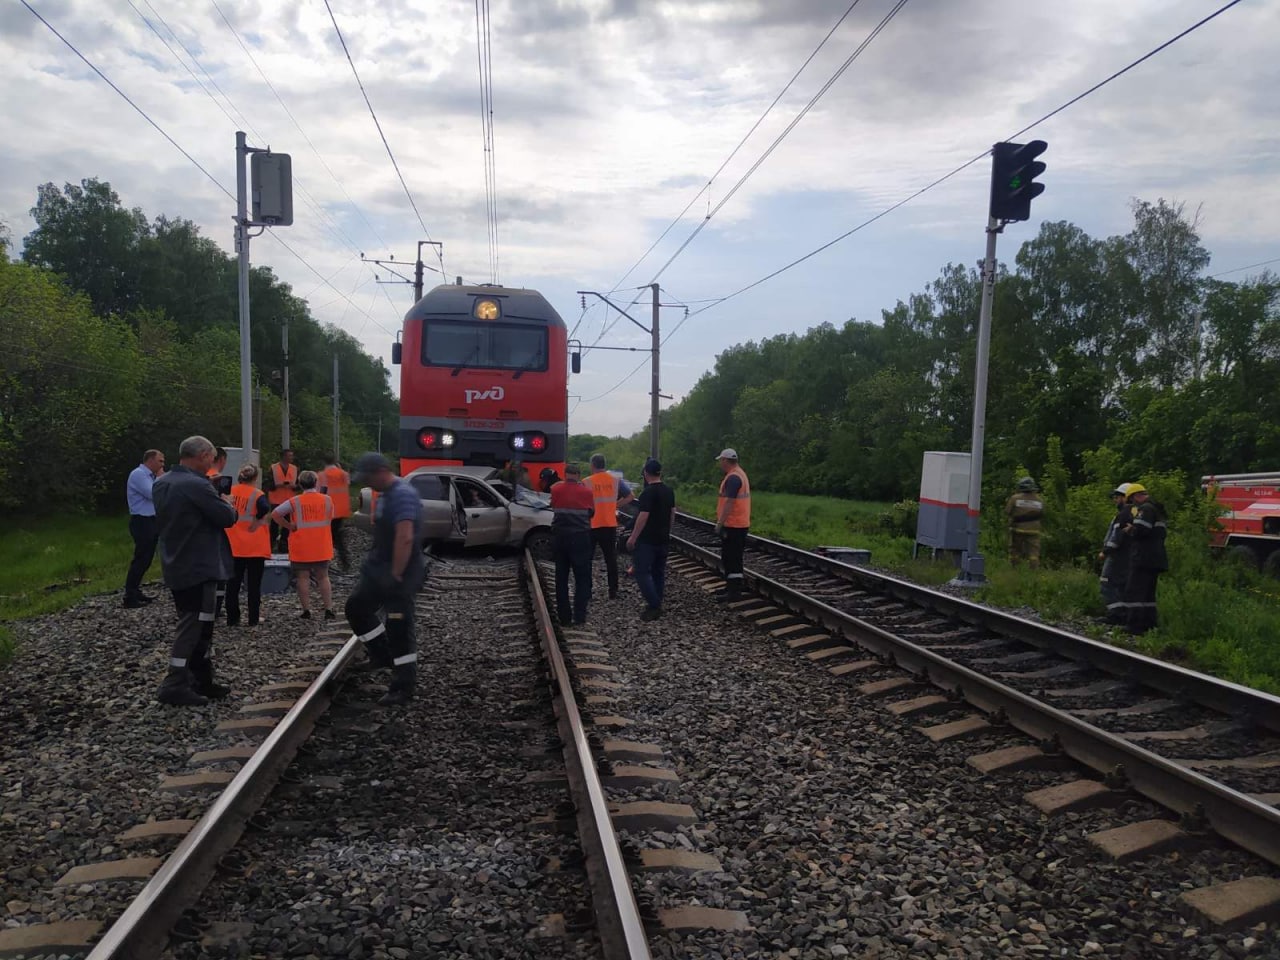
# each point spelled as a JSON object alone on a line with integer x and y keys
{"x": 1221, "y": 696}
{"x": 142, "y": 931}
{"x": 622, "y": 933}
{"x": 1250, "y": 824}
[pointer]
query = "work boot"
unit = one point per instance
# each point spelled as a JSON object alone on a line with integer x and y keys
{"x": 203, "y": 682}
{"x": 177, "y": 690}
{"x": 395, "y": 698}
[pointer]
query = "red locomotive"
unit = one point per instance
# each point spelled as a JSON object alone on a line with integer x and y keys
{"x": 483, "y": 380}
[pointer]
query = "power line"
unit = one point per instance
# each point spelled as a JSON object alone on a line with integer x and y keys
{"x": 374, "y": 115}
{"x": 484, "y": 63}
{"x": 777, "y": 141}
{"x": 298, "y": 126}
{"x": 181, "y": 150}
{"x": 734, "y": 152}
{"x": 124, "y": 96}
{"x": 1260, "y": 263}
{"x": 714, "y": 302}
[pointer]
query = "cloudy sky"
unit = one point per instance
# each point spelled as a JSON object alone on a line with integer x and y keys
{"x": 610, "y": 116}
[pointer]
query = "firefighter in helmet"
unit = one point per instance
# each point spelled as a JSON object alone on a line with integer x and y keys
{"x": 1024, "y": 509}
{"x": 1115, "y": 557}
{"x": 1147, "y": 559}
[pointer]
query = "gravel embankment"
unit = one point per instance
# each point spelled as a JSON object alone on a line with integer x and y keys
{"x": 410, "y": 833}
{"x": 85, "y": 745}
{"x": 844, "y": 832}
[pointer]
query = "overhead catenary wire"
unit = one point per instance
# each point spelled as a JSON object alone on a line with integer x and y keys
{"x": 484, "y": 63}
{"x": 777, "y": 141}
{"x": 376, "y": 123}
{"x": 1248, "y": 266}
{"x": 177, "y": 146}
{"x": 289, "y": 113}
{"x": 717, "y": 301}
{"x": 741, "y": 143}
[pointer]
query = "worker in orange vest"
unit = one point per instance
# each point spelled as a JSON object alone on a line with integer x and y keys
{"x": 733, "y": 518}
{"x": 336, "y": 483}
{"x": 608, "y": 494}
{"x": 250, "y": 545}
{"x": 284, "y": 482}
{"x": 309, "y": 517}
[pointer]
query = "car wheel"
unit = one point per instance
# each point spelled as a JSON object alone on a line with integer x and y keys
{"x": 1271, "y": 565}
{"x": 539, "y": 543}
{"x": 1244, "y": 555}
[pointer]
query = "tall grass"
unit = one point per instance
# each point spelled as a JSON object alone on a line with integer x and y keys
{"x": 52, "y": 565}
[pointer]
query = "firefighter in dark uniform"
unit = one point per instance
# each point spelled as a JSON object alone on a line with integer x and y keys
{"x": 390, "y": 578}
{"x": 1147, "y": 559}
{"x": 196, "y": 558}
{"x": 1025, "y": 509}
{"x": 1115, "y": 558}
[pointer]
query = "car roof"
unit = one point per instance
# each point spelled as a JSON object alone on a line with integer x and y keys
{"x": 474, "y": 473}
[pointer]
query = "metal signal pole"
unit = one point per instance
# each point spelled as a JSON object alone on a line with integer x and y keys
{"x": 335, "y": 406}
{"x": 973, "y": 567}
{"x": 653, "y": 400}
{"x": 284, "y": 406}
{"x": 242, "y": 248}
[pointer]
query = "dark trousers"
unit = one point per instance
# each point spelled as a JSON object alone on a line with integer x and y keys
{"x": 145, "y": 535}
{"x": 573, "y": 551}
{"x": 390, "y": 642}
{"x": 733, "y": 545}
{"x": 248, "y": 571}
{"x": 191, "y": 654}
{"x": 606, "y": 538}
{"x": 651, "y": 572}
{"x": 1140, "y": 599}
{"x": 339, "y": 542}
{"x": 1113, "y": 591}
{"x": 281, "y": 537}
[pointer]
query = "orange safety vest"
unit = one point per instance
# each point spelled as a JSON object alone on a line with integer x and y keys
{"x": 338, "y": 486}
{"x": 604, "y": 486}
{"x": 739, "y": 514}
{"x": 312, "y": 541}
{"x": 281, "y": 476}
{"x": 244, "y": 542}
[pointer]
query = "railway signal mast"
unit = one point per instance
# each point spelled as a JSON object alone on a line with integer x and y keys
{"x": 1014, "y": 169}
{"x": 272, "y": 207}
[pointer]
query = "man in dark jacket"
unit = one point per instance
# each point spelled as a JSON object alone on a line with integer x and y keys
{"x": 1115, "y": 557}
{"x": 195, "y": 556}
{"x": 1147, "y": 559}
{"x": 574, "y": 504}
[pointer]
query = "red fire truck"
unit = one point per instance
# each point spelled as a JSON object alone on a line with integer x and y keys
{"x": 1250, "y": 526}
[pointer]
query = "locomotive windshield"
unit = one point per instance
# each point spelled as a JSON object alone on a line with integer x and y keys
{"x": 492, "y": 346}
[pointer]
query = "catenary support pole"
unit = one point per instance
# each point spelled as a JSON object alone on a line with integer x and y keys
{"x": 242, "y": 248}
{"x": 284, "y": 406}
{"x": 335, "y": 406}
{"x": 973, "y": 566}
{"x": 653, "y": 405}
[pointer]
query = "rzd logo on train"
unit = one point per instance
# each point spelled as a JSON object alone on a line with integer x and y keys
{"x": 493, "y": 393}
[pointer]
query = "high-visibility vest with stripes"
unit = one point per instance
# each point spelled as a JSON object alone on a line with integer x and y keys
{"x": 282, "y": 475}
{"x": 739, "y": 514}
{"x": 604, "y": 487}
{"x": 312, "y": 541}
{"x": 244, "y": 542}
{"x": 338, "y": 486}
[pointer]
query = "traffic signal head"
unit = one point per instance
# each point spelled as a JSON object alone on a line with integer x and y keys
{"x": 1014, "y": 168}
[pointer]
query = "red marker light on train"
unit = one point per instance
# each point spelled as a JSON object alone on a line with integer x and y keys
{"x": 537, "y": 443}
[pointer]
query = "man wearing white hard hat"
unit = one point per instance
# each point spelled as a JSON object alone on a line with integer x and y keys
{"x": 733, "y": 519}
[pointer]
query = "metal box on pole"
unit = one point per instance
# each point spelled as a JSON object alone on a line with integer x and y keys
{"x": 272, "y": 176}
{"x": 944, "y": 501}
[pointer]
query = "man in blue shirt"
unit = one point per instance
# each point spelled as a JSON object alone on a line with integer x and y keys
{"x": 142, "y": 525}
{"x": 389, "y": 578}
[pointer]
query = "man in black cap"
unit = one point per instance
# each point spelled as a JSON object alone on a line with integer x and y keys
{"x": 389, "y": 578}
{"x": 651, "y": 538}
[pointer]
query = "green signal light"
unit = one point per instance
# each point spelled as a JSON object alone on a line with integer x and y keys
{"x": 1015, "y": 182}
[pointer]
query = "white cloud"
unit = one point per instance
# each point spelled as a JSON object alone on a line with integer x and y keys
{"x": 610, "y": 115}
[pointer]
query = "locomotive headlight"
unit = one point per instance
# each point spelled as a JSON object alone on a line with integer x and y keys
{"x": 446, "y": 439}
{"x": 486, "y": 310}
{"x": 517, "y": 442}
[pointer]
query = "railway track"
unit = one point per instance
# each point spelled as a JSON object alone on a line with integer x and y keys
{"x": 1205, "y": 749}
